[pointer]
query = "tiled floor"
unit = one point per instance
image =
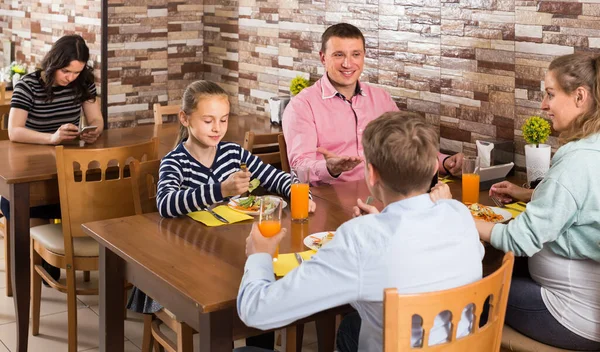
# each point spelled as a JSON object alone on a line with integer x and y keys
{"x": 53, "y": 322}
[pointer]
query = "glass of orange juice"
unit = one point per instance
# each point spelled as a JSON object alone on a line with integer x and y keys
{"x": 269, "y": 220}
{"x": 470, "y": 180}
{"x": 299, "y": 193}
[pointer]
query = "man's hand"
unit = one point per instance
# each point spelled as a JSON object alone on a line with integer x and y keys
{"x": 362, "y": 208}
{"x": 66, "y": 132}
{"x": 257, "y": 243}
{"x": 337, "y": 164}
{"x": 236, "y": 184}
{"x": 440, "y": 191}
{"x": 454, "y": 164}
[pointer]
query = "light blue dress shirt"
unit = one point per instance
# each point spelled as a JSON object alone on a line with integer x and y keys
{"x": 414, "y": 245}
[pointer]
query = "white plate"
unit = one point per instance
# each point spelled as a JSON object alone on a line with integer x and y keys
{"x": 234, "y": 201}
{"x": 308, "y": 240}
{"x": 506, "y": 215}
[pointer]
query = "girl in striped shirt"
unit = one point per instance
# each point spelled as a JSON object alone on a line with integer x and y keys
{"x": 203, "y": 170}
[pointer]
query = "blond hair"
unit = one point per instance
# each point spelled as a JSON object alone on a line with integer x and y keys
{"x": 191, "y": 97}
{"x": 574, "y": 71}
{"x": 403, "y": 149}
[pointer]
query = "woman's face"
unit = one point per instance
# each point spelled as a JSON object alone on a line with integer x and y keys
{"x": 561, "y": 107}
{"x": 64, "y": 76}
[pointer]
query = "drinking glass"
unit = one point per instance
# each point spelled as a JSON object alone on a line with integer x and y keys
{"x": 470, "y": 179}
{"x": 269, "y": 220}
{"x": 299, "y": 193}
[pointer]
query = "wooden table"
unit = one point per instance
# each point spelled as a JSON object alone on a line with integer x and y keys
{"x": 195, "y": 271}
{"x": 28, "y": 178}
{"x": 7, "y": 97}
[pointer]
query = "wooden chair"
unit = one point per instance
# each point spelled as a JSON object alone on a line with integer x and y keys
{"x": 514, "y": 341}
{"x": 285, "y": 163}
{"x": 160, "y": 111}
{"x": 4, "y": 223}
{"x": 2, "y": 93}
{"x": 86, "y": 194}
{"x": 4, "y": 111}
{"x": 264, "y": 146}
{"x": 398, "y": 311}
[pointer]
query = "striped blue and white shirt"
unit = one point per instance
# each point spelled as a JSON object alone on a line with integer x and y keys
{"x": 185, "y": 185}
{"x": 46, "y": 116}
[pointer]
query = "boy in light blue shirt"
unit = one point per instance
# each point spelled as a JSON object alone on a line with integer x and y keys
{"x": 418, "y": 243}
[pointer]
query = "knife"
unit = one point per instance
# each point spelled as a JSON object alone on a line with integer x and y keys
{"x": 217, "y": 216}
{"x": 299, "y": 258}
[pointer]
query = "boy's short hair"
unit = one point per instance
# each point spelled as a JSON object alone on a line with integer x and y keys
{"x": 403, "y": 149}
{"x": 341, "y": 30}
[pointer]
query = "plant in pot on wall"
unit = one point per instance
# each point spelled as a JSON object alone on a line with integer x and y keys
{"x": 13, "y": 73}
{"x": 298, "y": 84}
{"x": 536, "y": 131}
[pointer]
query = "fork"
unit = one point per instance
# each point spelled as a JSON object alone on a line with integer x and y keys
{"x": 498, "y": 202}
{"x": 367, "y": 202}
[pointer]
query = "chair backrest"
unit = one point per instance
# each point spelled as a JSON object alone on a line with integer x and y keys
{"x": 144, "y": 180}
{"x": 160, "y": 111}
{"x": 398, "y": 311}
{"x": 285, "y": 163}
{"x": 2, "y": 92}
{"x": 93, "y": 184}
{"x": 4, "y": 111}
{"x": 264, "y": 146}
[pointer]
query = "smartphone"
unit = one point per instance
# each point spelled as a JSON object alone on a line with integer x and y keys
{"x": 88, "y": 128}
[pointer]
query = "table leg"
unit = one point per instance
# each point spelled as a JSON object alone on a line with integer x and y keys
{"x": 326, "y": 333}
{"x": 20, "y": 267}
{"x": 112, "y": 283}
{"x": 216, "y": 331}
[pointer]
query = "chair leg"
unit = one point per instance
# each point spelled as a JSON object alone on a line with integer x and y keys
{"x": 147, "y": 335}
{"x": 72, "y": 308}
{"x": 86, "y": 276}
{"x": 125, "y": 300}
{"x": 36, "y": 291}
{"x": 185, "y": 342}
{"x": 7, "y": 265}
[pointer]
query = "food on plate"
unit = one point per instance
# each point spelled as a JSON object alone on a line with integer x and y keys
{"x": 251, "y": 203}
{"x": 320, "y": 242}
{"x": 253, "y": 185}
{"x": 482, "y": 212}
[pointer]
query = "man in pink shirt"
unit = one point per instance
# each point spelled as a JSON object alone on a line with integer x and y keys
{"x": 323, "y": 125}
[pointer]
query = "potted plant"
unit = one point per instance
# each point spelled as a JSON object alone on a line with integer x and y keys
{"x": 536, "y": 131}
{"x": 14, "y": 72}
{"x": 297, "y": 84}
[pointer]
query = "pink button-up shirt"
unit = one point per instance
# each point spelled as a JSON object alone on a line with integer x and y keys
{"x": 320, "y": 117}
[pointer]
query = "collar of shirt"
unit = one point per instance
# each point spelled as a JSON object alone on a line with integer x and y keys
{"x": 422, "y": 201}
{"x": 328, "y": 91}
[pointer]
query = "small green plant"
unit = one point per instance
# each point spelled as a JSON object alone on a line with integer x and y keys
{"x": 297, "y": 84}
{"x": 536, "y": 130}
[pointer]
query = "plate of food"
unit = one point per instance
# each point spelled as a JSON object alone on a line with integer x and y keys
{"x": 318, "y": 240}
{"x": 489, "y": 214}
{"x": 251, "y": 205}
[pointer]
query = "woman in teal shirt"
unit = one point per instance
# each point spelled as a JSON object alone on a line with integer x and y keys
{"x": 558, "y": 303}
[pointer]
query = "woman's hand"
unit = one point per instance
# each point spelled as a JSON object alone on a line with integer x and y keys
{"x": 508, "y": 192}
{"x": 440, "y": 191}
{"x": 90, "y": 136}
{"x": 66, "y": 132}
{"x": 236, "y": 184}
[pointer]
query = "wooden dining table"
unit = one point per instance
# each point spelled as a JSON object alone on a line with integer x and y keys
{"x": 28, "y": 178}
{"x": 195, "y": 271}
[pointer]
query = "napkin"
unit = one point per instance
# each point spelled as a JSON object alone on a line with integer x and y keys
{"x": 287, "y": 262}
{"x": 515, "y": 208}
{"x": 209, "y": 220}
{"x": 445, "y": 179}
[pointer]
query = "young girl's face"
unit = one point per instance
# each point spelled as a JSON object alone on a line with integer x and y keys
{"x": 208, "y": 123}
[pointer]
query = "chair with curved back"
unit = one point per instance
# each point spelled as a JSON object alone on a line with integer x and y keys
{"x": 264, "y": 146}
{"x": 4, "y": 223}
{"x": 92, "y": 184}
{"x": 398, "y": 311}
{"x": 285, "y": 162}
{"x": 162, "y": 110}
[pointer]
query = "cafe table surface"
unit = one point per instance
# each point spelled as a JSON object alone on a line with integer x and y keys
{"x": 195, "y": 271}
{"x": 28, "y": 178}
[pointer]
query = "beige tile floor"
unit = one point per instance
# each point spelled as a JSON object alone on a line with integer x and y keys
{"x": 53, "y": 322}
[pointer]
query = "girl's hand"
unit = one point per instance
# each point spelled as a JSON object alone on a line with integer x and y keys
{"x": 312, "y": 206}
{"x": 440, "y": 191}
{"x": 508, "y": 192}
{"x": 236, "y": 184}
{"x": 66, "y": 132}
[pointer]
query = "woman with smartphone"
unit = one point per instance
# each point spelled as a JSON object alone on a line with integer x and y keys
{"x": 46, "y": 104}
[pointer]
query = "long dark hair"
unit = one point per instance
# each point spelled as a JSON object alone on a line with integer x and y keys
{"x": 65, "y": 50}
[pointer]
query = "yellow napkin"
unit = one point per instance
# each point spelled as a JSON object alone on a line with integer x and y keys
{"x": 229, "y": 214}
{"x": 515, "y": 209}
{"x": 287, "y": 262}
{"x": 445, "y": 179}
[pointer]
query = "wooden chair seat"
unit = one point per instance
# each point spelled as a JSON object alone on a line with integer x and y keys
{"x": 517, "y": 342}
{"x": 51, "y": 237}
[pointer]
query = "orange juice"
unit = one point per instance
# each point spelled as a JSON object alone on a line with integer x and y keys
{"x": 270, "y": 228}
{"x": 299, "y": 201}
{"x": 470, "y": 188}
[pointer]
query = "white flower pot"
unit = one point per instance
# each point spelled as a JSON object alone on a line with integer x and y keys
{"x": 537, "y": 161}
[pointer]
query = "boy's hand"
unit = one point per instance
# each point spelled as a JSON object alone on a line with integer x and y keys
{"x": 236, "y": 184}
{"x": 312, "y": 206}
{"x": 361, "y": 208}
{"x": 257, "y": 243}
{"x": 454, "y": 164}
{"x": 440, "y": 191}
{"x": 337, "y": 164}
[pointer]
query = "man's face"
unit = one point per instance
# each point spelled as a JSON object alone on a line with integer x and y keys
{"x": 344, "y": 60}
